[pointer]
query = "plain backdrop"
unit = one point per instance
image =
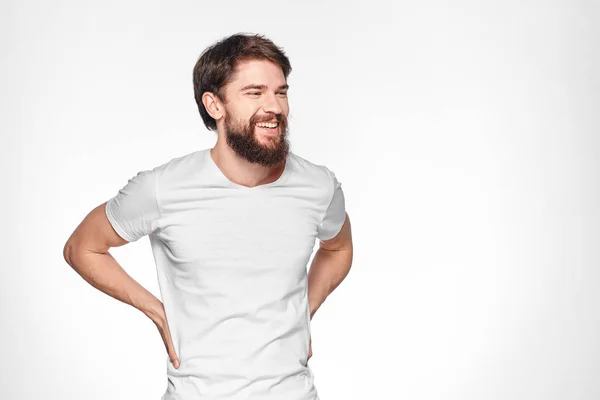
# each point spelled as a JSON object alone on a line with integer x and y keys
{"x": 466, "y": 138}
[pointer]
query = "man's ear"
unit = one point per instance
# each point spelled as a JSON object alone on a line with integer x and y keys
{"x": 214, "y": 106}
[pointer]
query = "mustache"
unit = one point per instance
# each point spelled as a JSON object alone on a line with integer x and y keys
{"x": 269, "y": 118}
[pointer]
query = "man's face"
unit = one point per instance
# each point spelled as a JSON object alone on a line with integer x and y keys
{"x": 256, "y": 113}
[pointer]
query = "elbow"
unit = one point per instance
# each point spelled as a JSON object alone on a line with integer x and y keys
{"x": 71, "y": 249}
{"x": 68, "y": 252}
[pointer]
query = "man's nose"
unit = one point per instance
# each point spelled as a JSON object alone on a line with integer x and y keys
{"x": 271, "y": 104}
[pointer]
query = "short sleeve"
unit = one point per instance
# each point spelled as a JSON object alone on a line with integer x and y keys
{"x": 335, "y": 214}
{"x": 133, "y": 211}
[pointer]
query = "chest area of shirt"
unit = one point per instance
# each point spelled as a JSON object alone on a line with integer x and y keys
{"x": 262, "y": 228}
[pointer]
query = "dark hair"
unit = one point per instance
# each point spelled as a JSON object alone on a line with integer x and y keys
{"x": 215, "y": 67}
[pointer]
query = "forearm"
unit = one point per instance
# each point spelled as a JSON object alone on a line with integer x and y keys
{"x": 327, "y": 271}
{"x": 103, "y": 272}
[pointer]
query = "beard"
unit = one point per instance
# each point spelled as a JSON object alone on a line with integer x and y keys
{"x": 243, "y": 140}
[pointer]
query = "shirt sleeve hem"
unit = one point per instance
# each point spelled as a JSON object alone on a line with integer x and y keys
{"x": 335, "y": 231}
{"x": 115, "y": 224}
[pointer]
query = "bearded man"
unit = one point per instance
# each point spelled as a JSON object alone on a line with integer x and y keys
{"x": 231, "y": 229}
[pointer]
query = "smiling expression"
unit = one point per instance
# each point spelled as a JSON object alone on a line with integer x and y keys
{"x": 257, "y": 107}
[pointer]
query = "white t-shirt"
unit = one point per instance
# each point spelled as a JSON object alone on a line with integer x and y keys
{"x": 232, "y": 271}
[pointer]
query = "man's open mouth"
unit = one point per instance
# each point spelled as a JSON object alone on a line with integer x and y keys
{"x": 268, "y": 127}
{"x": 267, "y": 124}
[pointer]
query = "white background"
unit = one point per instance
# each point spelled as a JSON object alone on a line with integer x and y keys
{"x": 466, "y": 138}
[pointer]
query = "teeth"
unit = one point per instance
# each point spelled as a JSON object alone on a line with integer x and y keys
{"x": 267, "y": 125}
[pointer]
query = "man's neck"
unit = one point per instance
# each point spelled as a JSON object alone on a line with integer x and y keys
{"x": 240, "y": 170}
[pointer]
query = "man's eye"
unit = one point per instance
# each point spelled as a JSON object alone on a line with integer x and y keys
{"x": 283, "y": 94}
{"x": 254, "y": 93}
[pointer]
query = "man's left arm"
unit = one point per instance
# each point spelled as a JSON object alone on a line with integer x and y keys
{"x": 330, "y": 266}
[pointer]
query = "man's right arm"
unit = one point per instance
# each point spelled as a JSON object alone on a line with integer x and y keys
{"x": 87, "y": 252}
{"x": 132, "y": 213}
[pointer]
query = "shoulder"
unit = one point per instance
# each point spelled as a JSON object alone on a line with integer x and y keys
{"x": 316, "y": 172}
{"x": 317, "y": 176}
{"x": 182, "y": 165}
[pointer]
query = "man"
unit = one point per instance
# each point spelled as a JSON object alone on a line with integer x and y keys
{"x": 231, "y": 229}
